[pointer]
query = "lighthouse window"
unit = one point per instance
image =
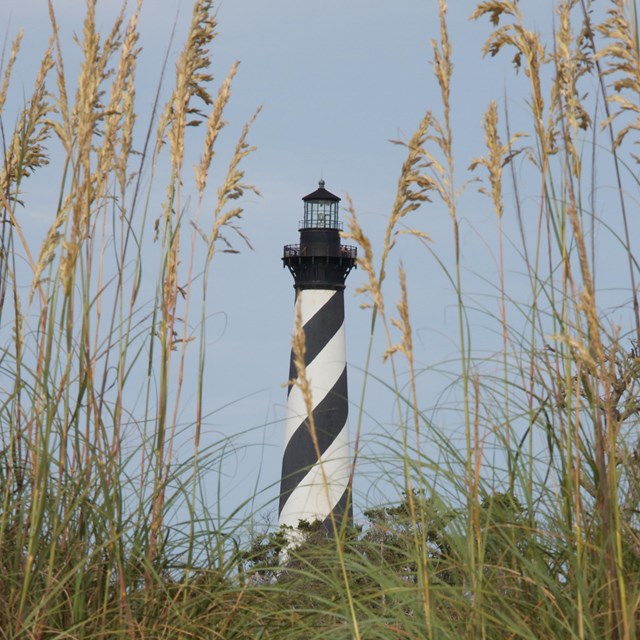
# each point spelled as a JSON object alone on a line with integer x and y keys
{"x": 321, "y": 214}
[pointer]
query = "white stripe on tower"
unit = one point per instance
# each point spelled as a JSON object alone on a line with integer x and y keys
{"x": 316, "y": 471}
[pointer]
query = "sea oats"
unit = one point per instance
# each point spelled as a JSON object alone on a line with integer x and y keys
{"x": 414, "y": 183}
{"x": 64, "y": 129}
{"x": 402, "y": 323}
{"x": 365, "y": 260}
{"x": 26, "y": 151}
{"x": 530, "y": 55}
{"x": 621, "y": 56}
{"x": 572, "y": 62}
{"x": 495, "y": 9}
{"x": 499, "y": 155}
{"x": 215, "y": 123}
{"x": 51, "y": 242}
{"x": 232, "y": 189}
{"x": 191, "y": 79}
{"x": 442, "y": 65}
{"x": 119, "y": 112}
{"x": 126, "y": 72}
{"x": 15, "y": 47}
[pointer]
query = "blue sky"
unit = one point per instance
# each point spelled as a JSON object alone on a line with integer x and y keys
{"x": 337, "y": 81}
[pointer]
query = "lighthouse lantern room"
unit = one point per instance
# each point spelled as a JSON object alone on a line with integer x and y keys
{"x": 320, "y": 261}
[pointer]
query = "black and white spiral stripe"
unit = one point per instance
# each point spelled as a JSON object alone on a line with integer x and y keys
{"x": 312, "y": 487}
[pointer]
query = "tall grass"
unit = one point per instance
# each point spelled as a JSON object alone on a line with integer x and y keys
{"x": 528, "y": 530}
{"x": 87, "y": 462}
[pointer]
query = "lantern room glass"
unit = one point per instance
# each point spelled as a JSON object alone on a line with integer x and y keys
{"x": 321, "y": 214}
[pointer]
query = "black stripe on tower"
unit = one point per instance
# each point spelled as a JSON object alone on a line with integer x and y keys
{"x": 318, "y": 331}
{"x": 329, "y": 418}
{"x": 342, "y": 507}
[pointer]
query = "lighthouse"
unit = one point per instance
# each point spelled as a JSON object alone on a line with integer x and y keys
{"x": 316, "y": 463}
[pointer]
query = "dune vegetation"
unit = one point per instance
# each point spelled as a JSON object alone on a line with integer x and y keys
{"x": 544, "y": 545}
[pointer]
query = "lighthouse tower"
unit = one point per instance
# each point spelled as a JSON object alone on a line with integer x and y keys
{"x": 315, "y": 486}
